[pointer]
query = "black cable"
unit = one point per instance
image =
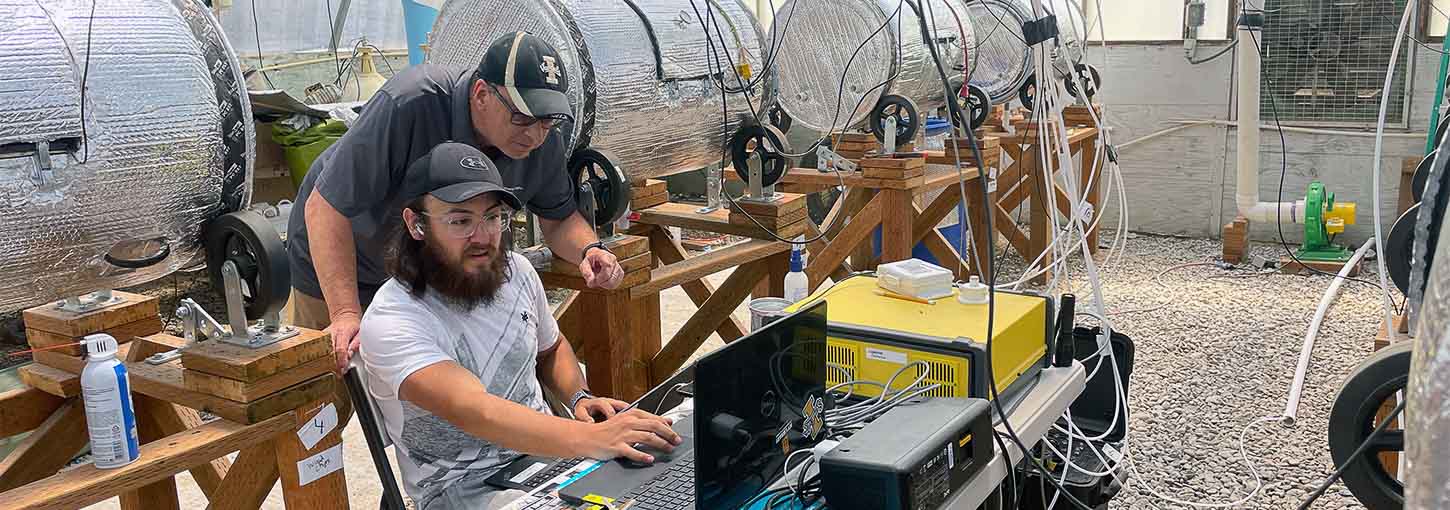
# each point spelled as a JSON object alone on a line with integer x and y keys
{"x": 1353, "y": 457}
{"x": 256, "y": 35}
{"x": 382, "y": 57}
{"x": 1283, "y": 173}
{"x": 336, "y": 62}
{"x": 85, "y": 75}
{"x": 1220, "y": 53}
{"x": 959, "y": 121}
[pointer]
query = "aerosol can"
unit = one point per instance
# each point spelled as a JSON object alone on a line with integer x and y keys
{"x": 110, "y": 417}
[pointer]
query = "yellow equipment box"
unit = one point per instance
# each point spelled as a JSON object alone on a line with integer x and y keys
{"x": 871, "y": 336}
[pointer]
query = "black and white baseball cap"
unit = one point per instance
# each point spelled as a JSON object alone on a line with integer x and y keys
{"x": 530, "y": 72}
{"x": 455, "y": 172}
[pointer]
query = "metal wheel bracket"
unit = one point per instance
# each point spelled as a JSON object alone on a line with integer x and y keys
{"x": 757, "y": 153}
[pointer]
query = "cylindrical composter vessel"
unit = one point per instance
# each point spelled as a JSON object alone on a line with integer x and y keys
{"x": 1004, "y": 62}
{"x": 122, "y": 134}
{"x": 645, "y": 83}
{"x": 840, "y": 58}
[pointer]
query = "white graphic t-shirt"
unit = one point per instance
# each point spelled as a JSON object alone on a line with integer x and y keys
{"x": 499, "y": 342}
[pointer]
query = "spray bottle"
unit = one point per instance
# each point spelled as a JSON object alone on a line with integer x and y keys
{"x": 110, "y": 417}
{"x": 797, "y": 286}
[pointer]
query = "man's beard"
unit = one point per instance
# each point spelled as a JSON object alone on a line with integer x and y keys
{"x": 463, "y": 289}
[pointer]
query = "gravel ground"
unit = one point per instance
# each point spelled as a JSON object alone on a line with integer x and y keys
{"x": 1215, "y": 350}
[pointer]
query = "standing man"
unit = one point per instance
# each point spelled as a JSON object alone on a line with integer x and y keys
{"x": 347, "y": 205}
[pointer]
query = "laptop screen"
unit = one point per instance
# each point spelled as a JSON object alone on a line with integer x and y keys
{"x": 756, "y": 400}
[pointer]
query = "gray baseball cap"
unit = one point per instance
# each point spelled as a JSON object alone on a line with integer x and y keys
{"x": 456, "y": 172}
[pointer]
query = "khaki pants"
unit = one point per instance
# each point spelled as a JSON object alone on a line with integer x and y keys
{"x": 309, "y": 312}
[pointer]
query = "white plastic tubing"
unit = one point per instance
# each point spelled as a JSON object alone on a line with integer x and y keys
{"x": 1291, "y": 409}
{"x": 1247, "y": 186}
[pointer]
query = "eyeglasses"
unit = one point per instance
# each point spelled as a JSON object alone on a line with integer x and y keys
{"x": 460, "y": 225}
{"x": 521, "y": 119}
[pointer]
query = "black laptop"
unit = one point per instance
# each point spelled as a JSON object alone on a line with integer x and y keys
{"x": 756, "y": 400}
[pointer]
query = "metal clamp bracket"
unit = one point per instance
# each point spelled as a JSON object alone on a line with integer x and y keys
{"x": 197, "y": 325}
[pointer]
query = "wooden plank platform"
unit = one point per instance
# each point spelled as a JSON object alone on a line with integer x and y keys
{"x": 72, "y": 325}
{"x": 249, "y": 364}
{"x": 86, "y": 485}
{"x": 673, "y": 214}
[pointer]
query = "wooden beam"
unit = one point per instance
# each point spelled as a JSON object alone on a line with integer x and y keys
{"x": 160, "y": 494}
{"x": 700, "y": 266}
{"x": 86, "y": 485}
{"x": 670, "y": 252}
{"x": 24, "y": 409}
{"x": 251, "y": 479}
{"x": 946, "y": 254}
{"x": 74, "y": 325}
{"x": 673, "y": 214}
{"x": 45, "y": 450}
{"x": 720, "y": 305}
{"x": 1014, "y": 234}
{"x": 928, "y": 218}
{"x": 165, "y": 382}
{"x": 240, "y": 391}
{"x": 856, "y": 231}
{"x": 329, "y": 490}
{"x": 250, "y": 364}
{"x": 896, "y": 225}
{"x": 51, "y": 380}
{"x": 172, "y": 419}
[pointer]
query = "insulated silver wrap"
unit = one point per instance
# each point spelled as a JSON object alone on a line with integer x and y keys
{"x": 1003, "y": 59}
{"x": 1427, "y": 409}
{"x": 951, "y": 28}
{"x": 164, "y": 146}
{"x": 658, "y": 116}
{"x": 826, "y": 84}
{"x": 1006, "y": 60}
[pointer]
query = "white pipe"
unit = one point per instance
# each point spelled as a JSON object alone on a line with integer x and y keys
{"x": 1379, "y": 145}
{"x": 1291, "y": 129}
{"x": 1247, "y": 187}
{"x": 1291, "y": 410}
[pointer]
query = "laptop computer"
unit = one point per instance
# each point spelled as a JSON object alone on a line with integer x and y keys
{"x": 756, "y": 400}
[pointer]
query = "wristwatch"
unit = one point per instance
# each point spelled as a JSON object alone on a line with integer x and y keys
{"x": 596, "y": 244}
{"x": 578, "y": 396}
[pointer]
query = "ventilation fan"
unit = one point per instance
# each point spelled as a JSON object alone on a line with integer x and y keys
{"x": 1325, "y": 61}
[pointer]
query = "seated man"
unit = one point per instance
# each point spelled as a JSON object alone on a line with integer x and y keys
{"x": 459, "y": 342}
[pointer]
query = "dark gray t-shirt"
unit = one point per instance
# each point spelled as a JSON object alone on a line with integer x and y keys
{"x": 361, "y": 174}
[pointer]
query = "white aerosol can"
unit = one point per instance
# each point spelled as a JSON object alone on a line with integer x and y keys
{"x": 110, "y": 417}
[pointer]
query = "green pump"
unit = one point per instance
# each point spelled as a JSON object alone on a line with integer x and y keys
{"x": 1322, "y": 219}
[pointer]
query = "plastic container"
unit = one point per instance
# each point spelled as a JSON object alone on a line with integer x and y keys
{"x": 110, "y": 417}
{"x": 974, "y": 292}
{"x": 916, "y": 278}
{"x": 797, "y": 286}
{"x": 766, "y": 310}
{"x": 936, "y": 133}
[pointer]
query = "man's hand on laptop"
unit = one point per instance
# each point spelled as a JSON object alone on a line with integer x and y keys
{"x": 590, "y": 410}
{"x": 616, "y": 436}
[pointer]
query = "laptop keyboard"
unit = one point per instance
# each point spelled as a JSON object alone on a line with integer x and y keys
{"x": 673, "y": 489}
{"x": 552, "y": 471}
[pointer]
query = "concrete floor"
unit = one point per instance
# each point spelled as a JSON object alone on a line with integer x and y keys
{"x": 363, "y": 488}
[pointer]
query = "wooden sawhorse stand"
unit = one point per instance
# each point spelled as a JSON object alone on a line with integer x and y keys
{"x": 879, "y": 197}
{"x": 268, "y": 401}
{"x": 1024, "y": 179}
{"x": 617, "y": 332}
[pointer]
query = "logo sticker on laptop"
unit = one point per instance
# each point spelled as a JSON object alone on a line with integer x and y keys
{"x": 814, "y": 421}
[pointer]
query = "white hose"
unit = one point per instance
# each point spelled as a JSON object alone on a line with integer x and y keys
{"x": 1379, "y": 145}
{"x": 1291, "y": 409}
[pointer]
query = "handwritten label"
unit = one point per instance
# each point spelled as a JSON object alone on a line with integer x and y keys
{"x": 320, "y": 465}
{"x": 318, "y": 426}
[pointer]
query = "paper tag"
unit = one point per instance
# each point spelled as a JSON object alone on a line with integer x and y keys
{"x": 318, "y": 426}
{"x": 887, "y": 356}
{"x": 527, "y": 472}
{"x": 320, "y": 465}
